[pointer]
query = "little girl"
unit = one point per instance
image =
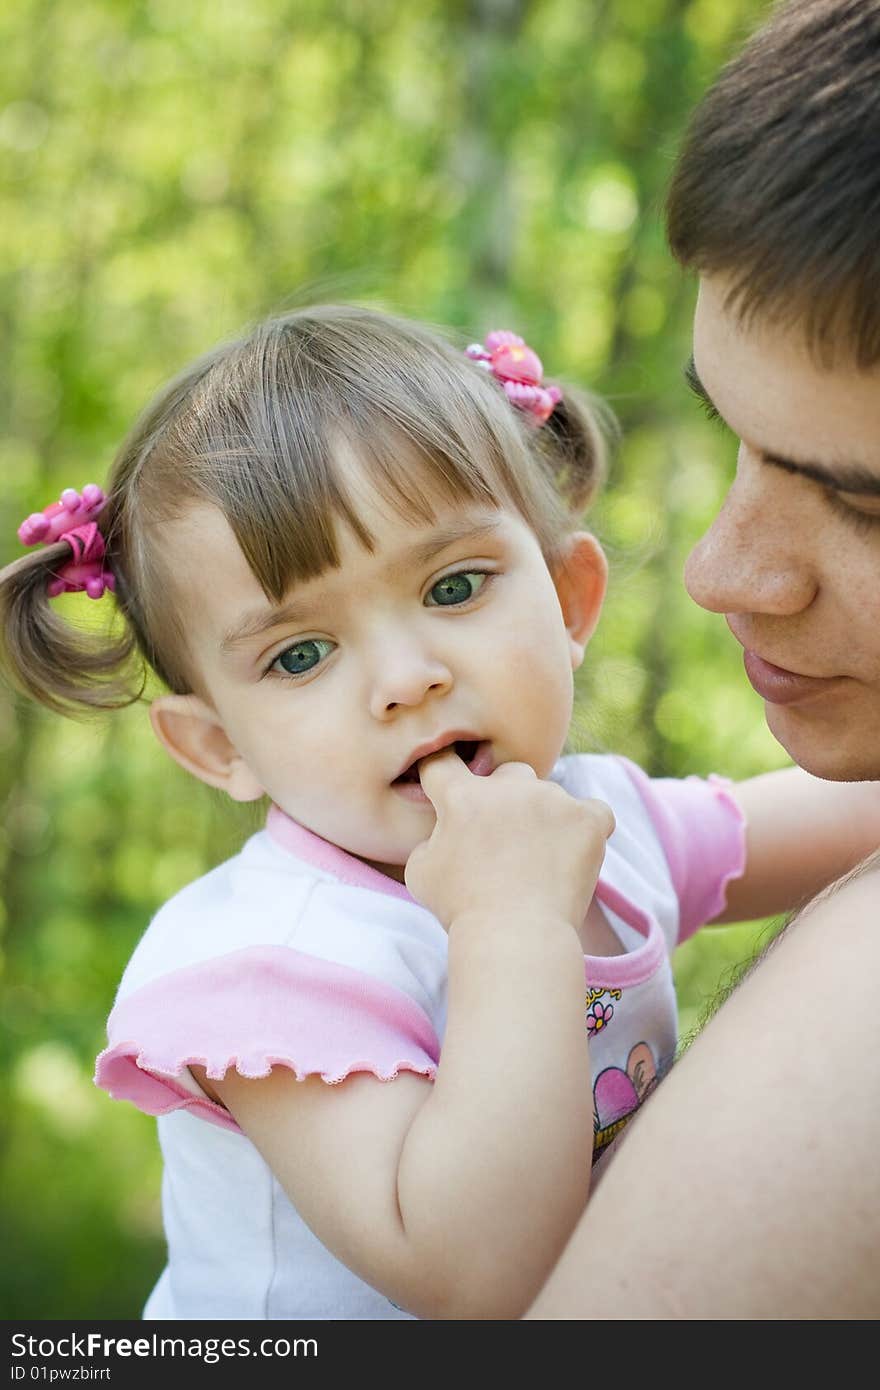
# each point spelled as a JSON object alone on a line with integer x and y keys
{"x": 350, "y": 552}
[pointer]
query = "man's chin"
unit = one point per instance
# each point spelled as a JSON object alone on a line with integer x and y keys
{"x": 827, "y": 749}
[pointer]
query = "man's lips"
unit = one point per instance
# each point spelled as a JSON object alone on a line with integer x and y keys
{"x": 779, "y": 686}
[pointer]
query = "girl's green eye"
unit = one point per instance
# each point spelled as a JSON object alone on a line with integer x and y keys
{"x": 456, "y": 588}
{"x": 302, "y": 656}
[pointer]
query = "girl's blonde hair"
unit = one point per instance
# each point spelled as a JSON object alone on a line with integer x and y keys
{"x": 258, "y": 428}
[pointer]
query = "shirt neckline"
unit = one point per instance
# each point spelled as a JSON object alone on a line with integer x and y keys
{"x": 628, "y": 968}
{"x": 305, "y": 844}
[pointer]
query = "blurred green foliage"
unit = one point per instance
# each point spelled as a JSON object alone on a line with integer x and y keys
{"x": 173, "y": 169}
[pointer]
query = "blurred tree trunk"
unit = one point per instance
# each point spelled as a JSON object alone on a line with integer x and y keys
{"x": 480, "y": 154}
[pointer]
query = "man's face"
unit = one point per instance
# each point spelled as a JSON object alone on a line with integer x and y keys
{"x": 793, "y": 558}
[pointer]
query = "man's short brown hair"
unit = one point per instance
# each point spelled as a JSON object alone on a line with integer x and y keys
{"x": 778, "y": 181}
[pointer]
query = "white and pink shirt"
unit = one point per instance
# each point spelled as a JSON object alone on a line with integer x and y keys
{"x": 293, "y": 953}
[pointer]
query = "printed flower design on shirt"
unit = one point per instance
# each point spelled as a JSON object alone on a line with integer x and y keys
{"x": 599, "y": 1017}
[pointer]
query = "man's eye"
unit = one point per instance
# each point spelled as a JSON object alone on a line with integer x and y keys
{"x": 302, "y": 656}
{"x": 866, "y": 506}
{"x": 861, "y": 512}
{"x": 697, "y": 389}
{"x": 456, "y": 588}
{"x": 711, "y": 413}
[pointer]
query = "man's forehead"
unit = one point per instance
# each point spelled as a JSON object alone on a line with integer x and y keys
{"x": 770, "y": 390}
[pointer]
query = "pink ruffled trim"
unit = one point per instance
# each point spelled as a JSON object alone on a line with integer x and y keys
{"x": 702, "y": 832}
{"x": 253, "y": 1010}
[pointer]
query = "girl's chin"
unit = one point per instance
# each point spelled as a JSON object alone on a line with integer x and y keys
{"x": 390, "y": 858}
{"x": 394, "y": 871}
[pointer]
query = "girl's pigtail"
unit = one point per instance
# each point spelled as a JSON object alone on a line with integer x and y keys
{"x": 69, "y": 670}
{"x": 576, "y": 442}
{"x": 571, "y": 432}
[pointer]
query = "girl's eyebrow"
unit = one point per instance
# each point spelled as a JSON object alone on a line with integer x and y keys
{"x": 470, "y": 528}
{"x": 260, "y": 620}
{"x": 842, "y": 477}
{"x": 257, "y": 621}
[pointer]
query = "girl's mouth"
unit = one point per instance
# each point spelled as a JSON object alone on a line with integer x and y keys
{"x": 477, "y": 758}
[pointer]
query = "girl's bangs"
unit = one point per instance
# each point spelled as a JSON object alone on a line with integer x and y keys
{"x": 284, "y": 506}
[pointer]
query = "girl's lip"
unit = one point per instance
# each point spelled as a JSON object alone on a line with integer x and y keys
{"x": 780, "y": 687}
{"x": 481, "y": 764}
{"x": 434, "y": 745}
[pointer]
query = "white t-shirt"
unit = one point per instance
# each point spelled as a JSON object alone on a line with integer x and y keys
{"x": 293, "y": 953}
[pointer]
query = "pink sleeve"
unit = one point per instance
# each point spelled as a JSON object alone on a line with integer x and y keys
{"x": 254, "y": 1009}
{"x": 702, "y": 832}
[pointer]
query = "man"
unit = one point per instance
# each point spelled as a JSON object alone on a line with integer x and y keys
{"x": 748, "y": 1186}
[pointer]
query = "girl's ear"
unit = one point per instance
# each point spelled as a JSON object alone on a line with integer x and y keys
{"x": 191, "y": 731}
{"x": 580, "y": 576}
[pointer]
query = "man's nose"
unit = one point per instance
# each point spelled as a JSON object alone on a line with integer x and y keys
{"x": 755, "y": 556}
{"x": 406, "y": 672}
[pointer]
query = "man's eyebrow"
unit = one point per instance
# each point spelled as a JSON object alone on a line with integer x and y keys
{"x": 300, "y": 610}
{"x": 842, "y": 477}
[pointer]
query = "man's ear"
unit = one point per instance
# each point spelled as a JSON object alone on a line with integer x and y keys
{"x": 191, "y": 731}
{"x": 580, "y": 576}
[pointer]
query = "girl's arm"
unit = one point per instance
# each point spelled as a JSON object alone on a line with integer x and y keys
{"x": 455, "y": 1199}
{"x": 801, "y": 834}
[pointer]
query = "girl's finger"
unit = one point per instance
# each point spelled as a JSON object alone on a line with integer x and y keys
{"x": 440, "y": 771}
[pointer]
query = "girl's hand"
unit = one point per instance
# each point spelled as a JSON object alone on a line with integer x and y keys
{"x": 416, "y": 1185}
{"x": 506, "y": 844}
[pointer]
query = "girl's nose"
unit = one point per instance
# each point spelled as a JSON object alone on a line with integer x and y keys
{"x": 405, "y": 676}
{"x": 754, "y": 558}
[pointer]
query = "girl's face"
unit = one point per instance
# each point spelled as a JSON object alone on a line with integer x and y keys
{"x": 450, "y": 631}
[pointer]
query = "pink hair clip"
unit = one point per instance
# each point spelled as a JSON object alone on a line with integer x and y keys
{"x": 72, "y": 519}
{"x": 520, "y": 372}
